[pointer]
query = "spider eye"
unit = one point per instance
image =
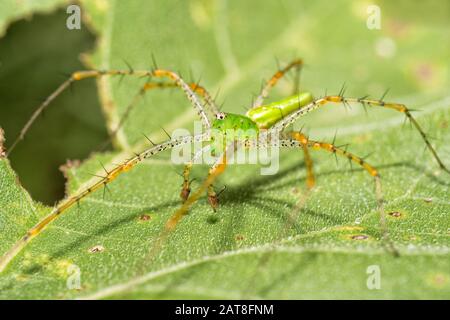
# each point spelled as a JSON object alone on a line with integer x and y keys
{"x": 220, "y": 116}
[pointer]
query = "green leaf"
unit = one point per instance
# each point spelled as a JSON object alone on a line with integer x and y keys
{"x": 248, "y": 249}
{"x": 12, "y": 9}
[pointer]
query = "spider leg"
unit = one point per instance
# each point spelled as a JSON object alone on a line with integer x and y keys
{"x": 289, "y": 119}
{"x": 317, "y": 145}
{"x": 160, "y": 73}
{"x": 186, "y": 186}
{"x": 209, "y": 104}
{"x": 86, "y": 74}
{"x": 216, "y": 170}
{"x": 110, "y": 176}
{"x": 298, "y": 63}
{"x": 303, "y": 140}
{"x": 213, "y": 199}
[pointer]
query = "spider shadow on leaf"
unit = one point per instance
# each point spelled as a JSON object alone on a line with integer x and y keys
{"x": 248, "y": 191}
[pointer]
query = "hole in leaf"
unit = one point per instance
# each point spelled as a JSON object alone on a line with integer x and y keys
{"x": 36, "y": 56}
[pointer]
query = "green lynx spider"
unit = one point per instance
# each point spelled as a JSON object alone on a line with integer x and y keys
{"x": 273, "y": 118}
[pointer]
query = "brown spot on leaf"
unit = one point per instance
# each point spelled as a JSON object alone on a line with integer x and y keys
{"x": 145, "y": 217}
{"x": 359, "y": 237}
{"x": 97, "y": 248}
{"x": 395, "y": 214}
{"x": 438, "y": 280}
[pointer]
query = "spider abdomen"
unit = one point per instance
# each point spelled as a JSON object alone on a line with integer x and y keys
{"x": 267, "y": 115}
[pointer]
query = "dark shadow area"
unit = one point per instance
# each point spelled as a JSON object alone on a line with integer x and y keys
{"x": 419, "y": 169}
{"x": 36, "y": 56}
{"x": 248, "y": 191}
